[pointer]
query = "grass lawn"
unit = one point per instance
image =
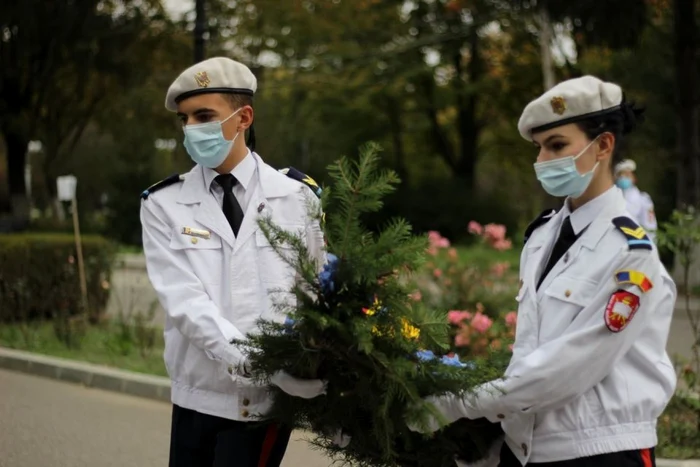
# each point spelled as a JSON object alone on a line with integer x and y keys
{"x": 105, "y": 344}
{"x": 130, "y": 249}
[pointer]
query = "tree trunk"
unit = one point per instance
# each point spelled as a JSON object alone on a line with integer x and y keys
{"x": 545, "y": 28}
{"x": 688, "y": 157}
{"x": 200, "y": 26}
{"x": 469, "y": 127}
{"x": 393, "y": 110}
{"x": 440, "y": 140}
{"x": 16, "y": 144}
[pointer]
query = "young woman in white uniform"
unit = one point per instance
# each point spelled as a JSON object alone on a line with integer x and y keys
{"x": 589, "y": 374}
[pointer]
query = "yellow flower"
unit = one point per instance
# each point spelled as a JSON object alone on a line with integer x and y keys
{"x": 409, "y": 331}
{"x": 376, "y": 306}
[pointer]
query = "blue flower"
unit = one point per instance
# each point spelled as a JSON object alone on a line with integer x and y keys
{"x": 289, "y": 325}
{"x": 454, "y": 361}
{"x": 326, "y": 276}
{"x": 425, "y": 355}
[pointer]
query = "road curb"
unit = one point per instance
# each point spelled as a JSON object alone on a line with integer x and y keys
{"x": 87, "y": 374}
{"x": 134, "y": 384}
{"x": 674, "y": 463}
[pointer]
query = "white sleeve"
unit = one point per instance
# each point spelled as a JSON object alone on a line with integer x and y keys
{"x": 315, "y": 240}
{"x": 182, "y": 294}
{"x": 561, "y": 370}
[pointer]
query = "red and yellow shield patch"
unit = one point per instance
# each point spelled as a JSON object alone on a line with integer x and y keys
{"x": 620, "y": 310}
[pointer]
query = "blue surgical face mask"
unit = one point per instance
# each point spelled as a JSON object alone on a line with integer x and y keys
{"x": 206, "y": 144}
{"x": 560, "y": 177}
{"x": 624, "y": 183}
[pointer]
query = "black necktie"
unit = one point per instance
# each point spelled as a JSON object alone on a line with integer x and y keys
{"x": 232, "y": 210}
{"x": 567, "y": 237}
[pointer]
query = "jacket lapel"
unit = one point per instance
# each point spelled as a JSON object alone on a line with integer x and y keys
{"x": 537, "y": 249}
{"x": 250, "y": 219}
{"x": 208, "y": 213}
{"x": 588, "y": 240}
{"x": 271, "y": 184}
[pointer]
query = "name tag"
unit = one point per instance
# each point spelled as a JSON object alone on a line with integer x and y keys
{"x": 196, "y": 232}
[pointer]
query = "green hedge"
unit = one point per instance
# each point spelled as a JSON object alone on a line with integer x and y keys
{"x": 39, "y": 276}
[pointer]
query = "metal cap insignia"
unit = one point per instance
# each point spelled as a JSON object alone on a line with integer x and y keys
{"x": 558, "y": 105}
{"x": 202, "y": 79}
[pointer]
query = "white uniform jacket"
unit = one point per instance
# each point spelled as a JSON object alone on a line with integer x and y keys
{"x": 589, "y": 373}
{"x": 641, "y": 207}
{"x": 214, "y": 286}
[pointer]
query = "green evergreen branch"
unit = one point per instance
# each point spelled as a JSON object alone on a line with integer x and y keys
{"x": 376, "y": 381}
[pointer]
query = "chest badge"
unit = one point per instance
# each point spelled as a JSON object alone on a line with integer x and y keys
{"x": 201, "y": 233}
{"x": 621, "y": 308}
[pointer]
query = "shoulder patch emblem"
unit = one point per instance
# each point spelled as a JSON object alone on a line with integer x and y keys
{"x": 637, "y": 278}
{"x": 621, "y": 308}
{"x": 637, "y": 238}
{"x": 299, "y": 176}
{"x": 542, "y": 219}
{"x": 162, "y": 184}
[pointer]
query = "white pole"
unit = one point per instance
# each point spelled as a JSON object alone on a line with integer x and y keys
{"x": 79, "y": 249}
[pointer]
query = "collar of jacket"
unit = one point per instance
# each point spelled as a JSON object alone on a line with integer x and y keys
{"x": 273, "y": 184}
{"x": 595, "y": 231}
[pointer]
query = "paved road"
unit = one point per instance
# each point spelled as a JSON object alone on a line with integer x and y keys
{"x": 46, "y": 423}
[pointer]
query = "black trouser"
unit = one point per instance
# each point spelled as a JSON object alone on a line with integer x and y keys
{"x": 639, "y": 458}
{"x": 200, "y": 440}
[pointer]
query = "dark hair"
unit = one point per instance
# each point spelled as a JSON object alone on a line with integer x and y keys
{"x": 619, "y": 122}
{"x": 239, "y": 100}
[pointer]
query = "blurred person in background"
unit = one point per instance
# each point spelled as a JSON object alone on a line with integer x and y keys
{"x": 639, "y": 203}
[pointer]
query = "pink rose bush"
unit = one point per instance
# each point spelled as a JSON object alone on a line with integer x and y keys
{"x": 476, "y": 334}
{"x": 478, "y": 289}
{"x": 493, "y": 234}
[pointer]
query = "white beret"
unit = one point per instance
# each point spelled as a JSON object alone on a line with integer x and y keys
{"x": 218, "y": 74}
{"x": 626, "y": 165}
{"x": 569, "y": 101}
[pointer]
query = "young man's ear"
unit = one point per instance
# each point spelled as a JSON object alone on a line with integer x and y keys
{"x": 247, "y": 114}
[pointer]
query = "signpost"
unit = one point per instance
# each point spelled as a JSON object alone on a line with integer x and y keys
{"x": 66, "y": 192}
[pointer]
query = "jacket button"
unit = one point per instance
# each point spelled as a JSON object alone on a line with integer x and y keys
{"x": 246, "y": 402}
{"x": 194, "y": 240}
{"x": 524, "y": 446}
{"x": 501, "y": 416}
{"x": 245, "y": 414}
{"x": 230, "y": 369}
{"x": 567, "y": 293}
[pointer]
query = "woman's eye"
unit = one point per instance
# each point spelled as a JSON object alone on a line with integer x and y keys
{"x": 558, "y": 146}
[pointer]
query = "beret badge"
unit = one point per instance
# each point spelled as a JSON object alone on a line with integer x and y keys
{"x": 202, "y": 79}
{"x": 558, "y": 105}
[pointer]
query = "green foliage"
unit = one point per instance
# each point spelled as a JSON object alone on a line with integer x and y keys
{"x": 679, "y": 428}
{"x": 98, "y": 345}
{"x": 681, "y": 236}
{"x": 39, "y": 277}
{"x": 356, "y": 327}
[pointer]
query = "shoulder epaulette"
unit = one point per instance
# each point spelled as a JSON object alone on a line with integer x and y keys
{"x": 539, "y": 221}
{"x": 637, "y": 238}
{"x": 291, "y": 172}
{"x": 161, "y": 184}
